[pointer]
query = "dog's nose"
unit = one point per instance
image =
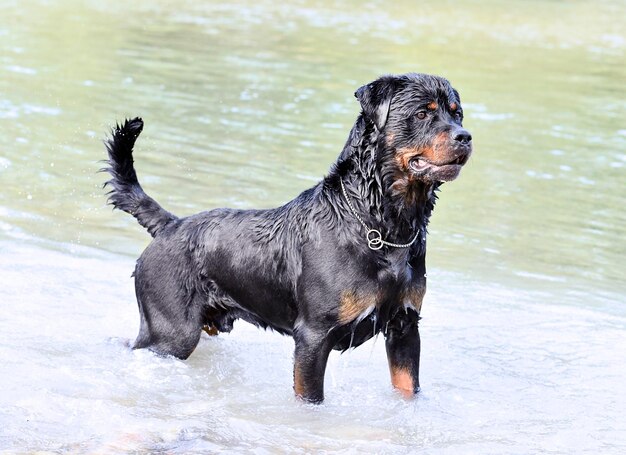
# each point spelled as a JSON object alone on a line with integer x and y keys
{"x": 463, "y": 136}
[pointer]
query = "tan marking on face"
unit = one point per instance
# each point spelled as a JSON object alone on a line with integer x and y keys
{"x": 401, "y": 380}
{"x": 405, "y": 154}
{"x": 435, "y": 152}
{"x": 352, "y": 305}
{"x": 453, "y": 107}
{"x": 432, "y": 106}
{"x": 403, "y": 184}
{"x": 390, "y": 138}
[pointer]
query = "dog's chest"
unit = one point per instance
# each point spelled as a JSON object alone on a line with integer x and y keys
{"x": 398, "y": 285}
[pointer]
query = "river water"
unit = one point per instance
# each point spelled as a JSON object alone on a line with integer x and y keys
{"x": 248, "y": 103}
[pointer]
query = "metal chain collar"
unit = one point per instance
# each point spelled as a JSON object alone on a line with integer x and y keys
{"x": 373, "y": 236}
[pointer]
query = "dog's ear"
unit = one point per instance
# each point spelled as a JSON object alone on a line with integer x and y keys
{"x": 456, "y": 94}
{"x": 375, "y": 99}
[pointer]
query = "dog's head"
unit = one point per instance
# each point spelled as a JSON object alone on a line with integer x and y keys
{"x": 420, "y": 123}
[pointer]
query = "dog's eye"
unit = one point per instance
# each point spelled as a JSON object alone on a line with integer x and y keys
{"x": 421, "y": 115}
{"x": 458, "y": 115}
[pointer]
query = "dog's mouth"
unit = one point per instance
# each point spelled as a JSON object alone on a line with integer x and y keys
{"x": 438, "y": 171}
{"x": 420, "y": 164}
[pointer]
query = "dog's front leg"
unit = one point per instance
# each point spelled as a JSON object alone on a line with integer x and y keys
{"x": 402, "y": 341}
{"x": 311, "y": 355}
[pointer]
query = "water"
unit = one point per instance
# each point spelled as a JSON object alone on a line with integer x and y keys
{"x": 247, "y": 104}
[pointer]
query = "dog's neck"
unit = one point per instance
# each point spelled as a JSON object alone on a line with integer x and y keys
{"x": 366, "y": 174}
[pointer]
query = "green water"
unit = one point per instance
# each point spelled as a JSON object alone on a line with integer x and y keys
{"x": 247, "y": 104}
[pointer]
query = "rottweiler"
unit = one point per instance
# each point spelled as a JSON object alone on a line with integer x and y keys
{"x": 340, "y": 263}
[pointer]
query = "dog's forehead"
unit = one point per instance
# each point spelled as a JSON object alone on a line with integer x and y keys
{"x": 431, "y": 89}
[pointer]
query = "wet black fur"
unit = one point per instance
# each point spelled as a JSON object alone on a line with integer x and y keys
{"x": 287, "y": 268}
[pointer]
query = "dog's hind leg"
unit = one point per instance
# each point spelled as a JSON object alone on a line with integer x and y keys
{"x": 311, "y": 355}
{"x": 171, "y": 318}
{"x": 167, "y": 334}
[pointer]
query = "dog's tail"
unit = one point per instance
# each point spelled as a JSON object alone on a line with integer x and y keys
{"x": 126, "y": 193}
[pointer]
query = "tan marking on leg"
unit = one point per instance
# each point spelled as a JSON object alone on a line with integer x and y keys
{"x": 298, "y": 384}
{"x": 352, "y": 305}
{"x": 211, "y": 330}
{"x": 402, "y": 381}
{"x": 414, "y": 297}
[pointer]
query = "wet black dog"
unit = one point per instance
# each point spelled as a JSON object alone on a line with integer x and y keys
{"x": 333, "y": 267}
